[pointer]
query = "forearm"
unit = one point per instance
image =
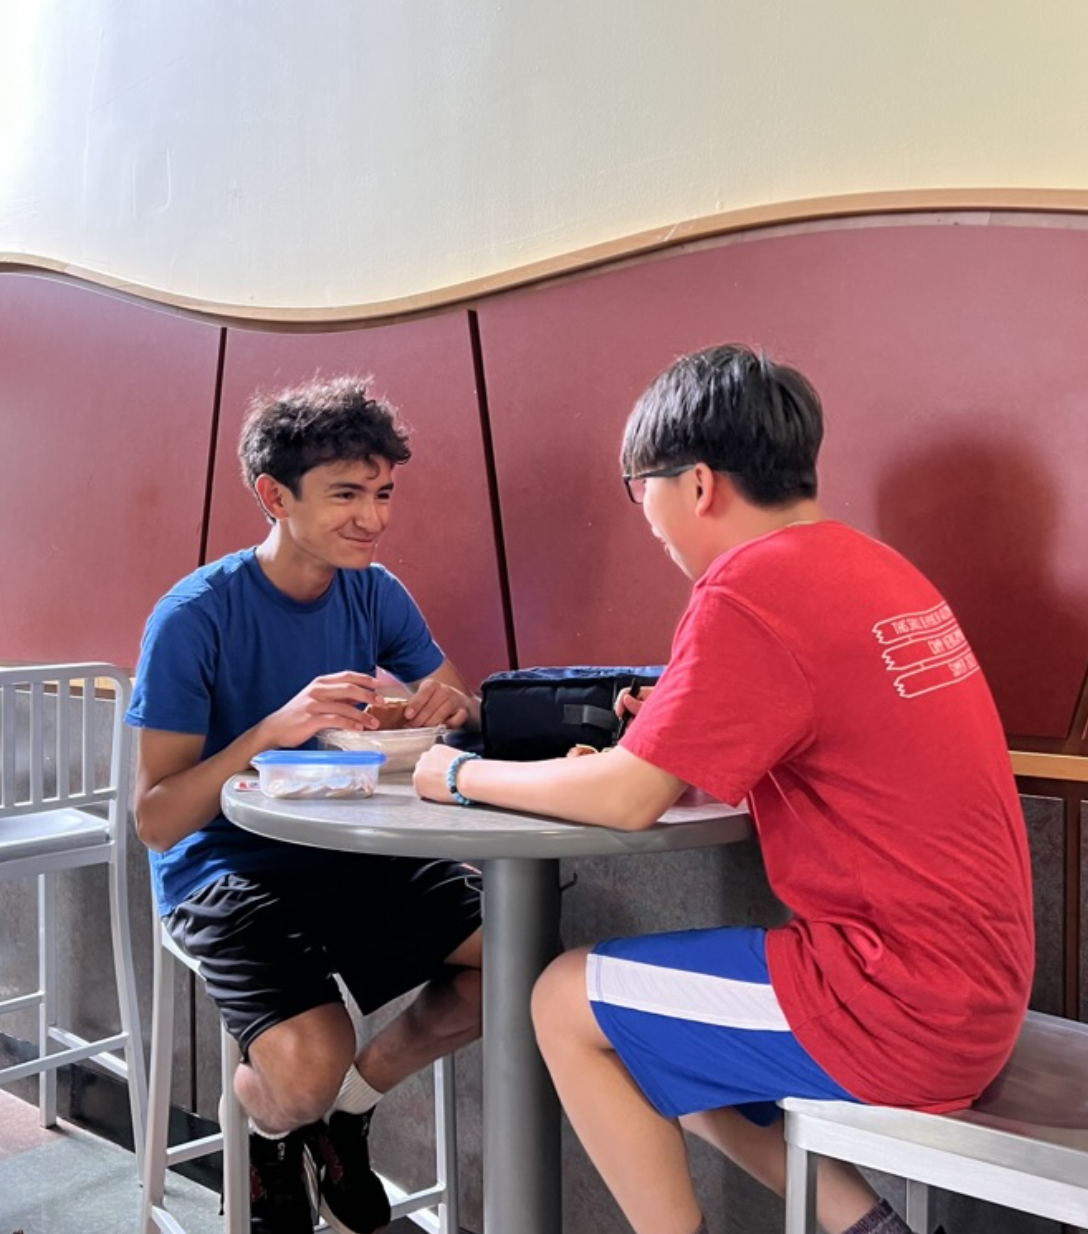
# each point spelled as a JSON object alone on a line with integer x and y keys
{"x": 605, "y": 790}
{"x": 180, "y": 804}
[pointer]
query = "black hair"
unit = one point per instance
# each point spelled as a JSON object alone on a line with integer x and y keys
{"x": 287, "y": 434}
{"x": 738, "y": 412}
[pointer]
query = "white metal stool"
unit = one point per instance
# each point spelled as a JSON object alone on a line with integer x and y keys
{"x": 434, "y": 1208}
{"x": 61, "y": 809}
{"x": 1023, "y": 1144}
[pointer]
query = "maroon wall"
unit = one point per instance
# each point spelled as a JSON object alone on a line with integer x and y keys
{"x": 441, "y": 541}
{"x": 105, "y": 419}
{"x": 954, "y": 370}
{"x": 953, "y": 364}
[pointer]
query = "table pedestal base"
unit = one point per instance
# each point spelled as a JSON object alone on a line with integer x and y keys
{"x": 522, "y": 1186}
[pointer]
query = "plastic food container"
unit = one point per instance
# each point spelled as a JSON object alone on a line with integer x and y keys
{"x": 319, "y": 773}
{"x": 401, "y": 746}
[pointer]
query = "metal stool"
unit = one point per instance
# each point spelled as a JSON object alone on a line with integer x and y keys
{"x": 64, "y": 804}
{"x": 1023, "y": 1144}
{"x": 434, "y": 1208}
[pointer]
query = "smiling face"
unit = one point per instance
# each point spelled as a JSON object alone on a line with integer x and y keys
{"x": 340, "y": 514}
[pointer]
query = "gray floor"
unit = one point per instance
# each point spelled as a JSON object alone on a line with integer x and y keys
{"x": 67, "y": 1181}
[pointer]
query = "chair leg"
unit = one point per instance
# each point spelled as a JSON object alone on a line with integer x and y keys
{"x": 800, "y": 1188}
{"x": 917, "y": 1216}
{"x": 445, "y": 1144}
{"x": 124, "y": 970}
{"x": 47, "y": 984}
{"x": 158, "y": 1113}
{"x": 235, "y": 1128}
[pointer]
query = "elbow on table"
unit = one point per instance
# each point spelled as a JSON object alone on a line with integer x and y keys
{"x": 631, "y": 822}
{"x": 633, "y": 815}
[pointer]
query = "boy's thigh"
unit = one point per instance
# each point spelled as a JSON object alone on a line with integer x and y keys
{"x": 269, "y": 942}
{"x": 262, "y": 956}
{"x": 695, "y": 1020}
{"x": 397, "y": 933}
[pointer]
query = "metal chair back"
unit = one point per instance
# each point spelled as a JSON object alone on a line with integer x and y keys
{"x": 65, "y": 757}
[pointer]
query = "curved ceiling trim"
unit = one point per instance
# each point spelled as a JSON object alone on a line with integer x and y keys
{"x": 1011, "y": 205}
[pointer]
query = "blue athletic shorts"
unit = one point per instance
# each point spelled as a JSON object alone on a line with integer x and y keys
{"x": 694, "y": 1020}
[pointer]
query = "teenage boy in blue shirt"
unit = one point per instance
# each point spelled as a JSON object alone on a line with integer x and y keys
{"x": 259, "y": 651}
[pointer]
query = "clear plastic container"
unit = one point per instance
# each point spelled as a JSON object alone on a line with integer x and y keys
{"x": 401, "y": 746}
{"x": 319, "y": 773}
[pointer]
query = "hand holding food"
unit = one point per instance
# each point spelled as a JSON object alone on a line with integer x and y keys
{"x": 333, "y": 701}
{"x": 436, "y": 702}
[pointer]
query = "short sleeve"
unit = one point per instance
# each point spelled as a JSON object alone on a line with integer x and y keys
{"x": 731, "y": 705}
{"x": 176, "y": 673}
{"x": 405, "y": 646}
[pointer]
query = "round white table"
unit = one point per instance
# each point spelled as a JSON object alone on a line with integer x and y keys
{"x": 519, "y": 855}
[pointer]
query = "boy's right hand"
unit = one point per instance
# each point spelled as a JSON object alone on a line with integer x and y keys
{"x": 333, "y": 701}
{"x": 628, "y": 702}
{"x": 177, "y": 789}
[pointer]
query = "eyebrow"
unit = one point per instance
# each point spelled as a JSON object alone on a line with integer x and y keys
{"x": 358, "y": 488}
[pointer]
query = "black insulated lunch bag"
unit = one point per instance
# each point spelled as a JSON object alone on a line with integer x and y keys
{"x": 533, "y": 713}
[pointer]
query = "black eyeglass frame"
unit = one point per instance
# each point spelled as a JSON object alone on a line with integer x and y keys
{"x": 660, "y": 473}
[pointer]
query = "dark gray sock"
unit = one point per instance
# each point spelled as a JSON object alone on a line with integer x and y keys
{"x": 880, "y": 1219}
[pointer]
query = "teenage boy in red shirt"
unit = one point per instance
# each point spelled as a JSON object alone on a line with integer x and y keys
{"x": 820, "y": 675}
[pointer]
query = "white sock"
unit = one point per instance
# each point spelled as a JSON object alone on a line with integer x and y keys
{"x": 356, "y": 1095}
{"x": 267, "y": 1135}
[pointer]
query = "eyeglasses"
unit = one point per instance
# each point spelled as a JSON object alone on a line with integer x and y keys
{"x": 636, "y": 485}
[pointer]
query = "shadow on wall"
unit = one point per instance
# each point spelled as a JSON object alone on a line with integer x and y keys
{"x": 981, "y": 519}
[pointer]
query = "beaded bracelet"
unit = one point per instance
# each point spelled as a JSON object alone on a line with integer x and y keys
{"x": 451, "y": 777}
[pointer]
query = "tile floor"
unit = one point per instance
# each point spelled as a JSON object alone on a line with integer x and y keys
{"x": 68, "y": 1181}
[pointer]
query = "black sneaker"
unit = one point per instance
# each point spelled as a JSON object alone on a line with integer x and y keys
{"x": 353, "y": 1200}
{"x": 278, "y": 1199}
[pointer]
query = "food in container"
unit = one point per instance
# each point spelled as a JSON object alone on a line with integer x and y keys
{"x": 401, "y": 747}
{"x": 389, "y": 713}
{"x": 319, "y": 773}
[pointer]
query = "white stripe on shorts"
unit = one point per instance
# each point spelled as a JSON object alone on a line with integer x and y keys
{"x": 684, "y": 995}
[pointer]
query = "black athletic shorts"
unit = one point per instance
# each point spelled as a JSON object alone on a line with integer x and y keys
{"x": 269, "y": 942}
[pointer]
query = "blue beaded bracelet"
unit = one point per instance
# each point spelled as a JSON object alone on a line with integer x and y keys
{"x": 451, "y": 778}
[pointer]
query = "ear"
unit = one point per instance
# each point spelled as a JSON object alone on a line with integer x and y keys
{"x": 271, "y": 494}
{"x": 709, "y": 488}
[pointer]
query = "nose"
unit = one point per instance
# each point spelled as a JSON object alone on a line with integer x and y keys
{"x": 367, "y": 516}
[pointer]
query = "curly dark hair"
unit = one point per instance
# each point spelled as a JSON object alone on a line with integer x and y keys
{"x": 333, "y": 420}
{"x": 739, "y": 412}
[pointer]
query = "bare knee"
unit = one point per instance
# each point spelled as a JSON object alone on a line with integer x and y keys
{"x": 298, "y": 1066}
{"x": 560, "y": 1004}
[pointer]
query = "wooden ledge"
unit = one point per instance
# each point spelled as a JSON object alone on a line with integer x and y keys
{"x": 1070, "y": 767}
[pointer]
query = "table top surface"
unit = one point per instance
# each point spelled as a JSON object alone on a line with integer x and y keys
{"x": 394, "y": 821}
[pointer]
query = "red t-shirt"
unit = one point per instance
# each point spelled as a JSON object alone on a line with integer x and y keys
{"x": 819, "y": 674}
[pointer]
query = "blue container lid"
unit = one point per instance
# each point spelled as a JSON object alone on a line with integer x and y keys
{"x": 354, "y": 758}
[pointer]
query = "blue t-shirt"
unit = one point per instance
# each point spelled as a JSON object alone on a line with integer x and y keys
{"x": 225, "y": 648}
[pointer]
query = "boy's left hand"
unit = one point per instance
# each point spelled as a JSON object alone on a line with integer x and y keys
{"x": 435, "y": 702}
{"x": 429, "y": 777}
